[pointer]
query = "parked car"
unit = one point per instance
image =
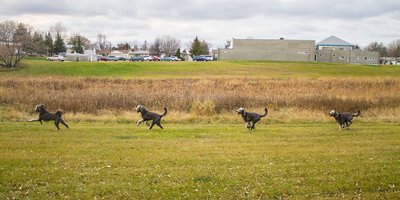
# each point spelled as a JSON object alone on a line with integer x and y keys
{"x": 209, "y": 57}
{"x": 174, "y": 58}
{"x": 112, "y": 58}
{"x": 155, "y": 58}
{"x": 137, "y": 58}
{"x": 120, "y": 58}
{"x": 147, "y": 58}
{"x": 56, "y": 58}
{"x": 103, "y": 58}
{"x": 200, "y": 58}
{"x": 166, "y": 59}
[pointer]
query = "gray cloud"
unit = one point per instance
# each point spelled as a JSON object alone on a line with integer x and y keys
{"x": 360, "y": 21}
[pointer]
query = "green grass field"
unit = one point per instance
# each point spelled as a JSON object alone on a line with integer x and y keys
{"x": 220, "y": 69}
{"x": 195, "y": 159}
{"x": 199, "y": 161}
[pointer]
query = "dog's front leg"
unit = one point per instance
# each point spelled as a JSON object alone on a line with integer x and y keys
{"x": 140, "y": 121}
{"x": 340, "y": 127}
{"x": 147, "y": 123}
{"x": 63, "y": 122}
{"x": 35, "y": 120}
{"x": 253, "y": 126}
{"x": 57, "y": 122}
{"x": 248, "y": 125}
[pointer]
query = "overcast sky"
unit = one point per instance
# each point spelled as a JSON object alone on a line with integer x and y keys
{"x": 216, "y": 21}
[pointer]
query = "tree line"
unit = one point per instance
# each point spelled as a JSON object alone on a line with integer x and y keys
{"x": 391, "y": 50}
{"x": 18, "y": 40}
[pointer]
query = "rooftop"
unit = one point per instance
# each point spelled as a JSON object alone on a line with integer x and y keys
{"x": 334, "y": 41}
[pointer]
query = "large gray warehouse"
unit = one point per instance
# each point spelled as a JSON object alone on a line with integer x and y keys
{"x": 276, "y": 50}
{"x": 332, "y": 49}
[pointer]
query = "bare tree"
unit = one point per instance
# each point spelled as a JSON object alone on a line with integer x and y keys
{"x": 144, "y": 46}
{"x": 155, "y": 48}
{"x": 101, "y": 41}
{"x": 123, "y": 46}
{"x": 377, "y": 47}
{"x": 394, "y": 48}
{"x": 74, "y": 39}
{"x": 169, "y": 44}
{"x": 58, "y": 29}
{"x": 12, "y": 41}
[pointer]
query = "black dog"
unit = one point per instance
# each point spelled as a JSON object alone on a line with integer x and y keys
{"x": 343, "y": 118}
{"x": 147, "y": 116}
{"x": 46, "y": 116}
{"x": 251, "y": 117}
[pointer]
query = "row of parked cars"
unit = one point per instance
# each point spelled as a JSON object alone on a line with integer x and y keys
{"x": 138, "y": 58}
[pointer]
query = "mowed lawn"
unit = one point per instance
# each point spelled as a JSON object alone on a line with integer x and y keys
{"x": 215, "y": 69}
{"x": 199, "y": 161}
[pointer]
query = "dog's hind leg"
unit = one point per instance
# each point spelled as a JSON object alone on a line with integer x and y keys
{"x": 63, "y": 122}
{"x": 151, "y": 126}
{"x": 254, "y": 125}
{"x": 159, "y": 124}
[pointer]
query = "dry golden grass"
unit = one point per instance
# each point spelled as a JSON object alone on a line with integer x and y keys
{"x": 199, "y": 99}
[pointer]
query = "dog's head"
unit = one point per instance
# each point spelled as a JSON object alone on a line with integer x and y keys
{"x": 333, "y": 113}
{"x": 39, "y": 107}
{"x": 139, "y": 108}
{"x": 240, "y": 110}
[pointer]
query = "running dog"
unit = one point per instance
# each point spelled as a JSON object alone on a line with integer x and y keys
{"x": 251, "y": 117}
{"x": 148, "y": 116}
{"x": 46, "y": 116}
{"x": 343, "y": 118}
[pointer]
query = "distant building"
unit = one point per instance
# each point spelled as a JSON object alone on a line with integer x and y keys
{"x": 263, "y": 49}
{"x": 141, "y": 53}
{"x": 336, "y": 50}
{"x": 332, "y": 49}
{"x": 389, "y": 60}
{"x": 87, "y": 56}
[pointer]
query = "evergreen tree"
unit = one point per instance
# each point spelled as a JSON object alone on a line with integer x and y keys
{"x": 195, "y": 49}
{"x": 204, "y": 48}
{"x": 178, "y": 53}
{"x": 48, "y": 41}
{"x": 38, "y": 43}
{"x": 59, "y": 45}
{"x": 77, "y": 46}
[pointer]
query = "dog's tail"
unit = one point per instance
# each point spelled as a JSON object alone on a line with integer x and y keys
{"x": 165, "y": 112}
{"x": 266, "y": 113}
{"x": 356, "y": 114}
{"x": 59, "y": 113}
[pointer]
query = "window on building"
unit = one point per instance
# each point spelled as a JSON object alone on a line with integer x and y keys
{"x": 341, "y": 57}
{"x": 334, "y": 55}
{"x": 370, "y": 58}
{"x": 303, "y": 52}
